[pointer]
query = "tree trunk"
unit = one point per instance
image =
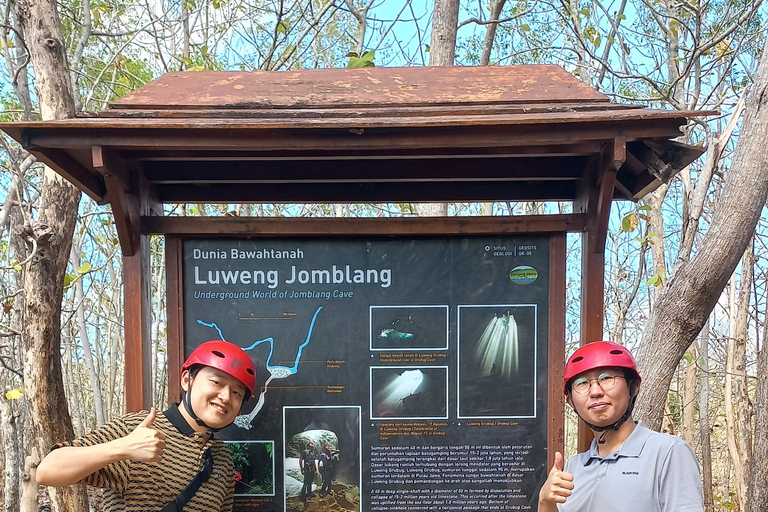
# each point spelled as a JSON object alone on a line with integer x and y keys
{"x": 704, "y": 442}
{"x": 82, "y": 329}
{"x": 741, "y": 395}
{"x": 689, "y": 396}
{"x": 29, "y": 484}
{"x": 693, "y": 292}
{"x": 759, "y": 481}
{"x": 490, "y": 32}
{"x": 10, "y": 420}
{"x": 445, "y": 23}
{"x": 44, "y": 279}
{"x": 731, "y": 416}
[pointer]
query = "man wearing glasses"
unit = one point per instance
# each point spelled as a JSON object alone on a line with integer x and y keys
{"x": 628, "y": 467}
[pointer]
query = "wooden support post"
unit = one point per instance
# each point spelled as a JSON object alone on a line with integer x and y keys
{"x": 138, "y": 352}
{"x": 595, "y": 200}
{"x": 174, "y": 258}
{"x": 555, "y": 402}
{"x": 137, "y": 277}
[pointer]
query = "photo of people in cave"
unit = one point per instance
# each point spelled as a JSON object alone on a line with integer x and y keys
{"x": 322, "y": 458}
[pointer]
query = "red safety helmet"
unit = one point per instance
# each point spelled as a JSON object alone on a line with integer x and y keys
{"x": 598, "y": 354}
{"x": 227, "y": 357}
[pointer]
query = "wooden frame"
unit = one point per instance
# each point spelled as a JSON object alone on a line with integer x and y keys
{"x": 419, "y": 228}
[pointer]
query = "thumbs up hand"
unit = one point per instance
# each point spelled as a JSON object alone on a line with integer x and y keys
{"x": 145, "y": 443}
{"x": 559, "y": 484}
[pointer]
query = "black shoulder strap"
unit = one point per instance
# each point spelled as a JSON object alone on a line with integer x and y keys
{"x": 178, "y": 504}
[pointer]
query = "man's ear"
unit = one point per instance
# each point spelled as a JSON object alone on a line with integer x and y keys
{"x": 185, "y": 379}
{"x": 637, "y": 387}
{"x": 568, "y": 400}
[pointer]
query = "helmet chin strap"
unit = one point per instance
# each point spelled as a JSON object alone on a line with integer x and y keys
{"x": 615, "y": 426}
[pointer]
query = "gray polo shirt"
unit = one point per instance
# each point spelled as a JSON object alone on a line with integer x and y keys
{"x": 651, "y": 472}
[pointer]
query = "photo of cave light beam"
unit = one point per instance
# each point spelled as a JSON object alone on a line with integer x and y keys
{"x": 404, "y": 385}
{"x": 497, "y": 349}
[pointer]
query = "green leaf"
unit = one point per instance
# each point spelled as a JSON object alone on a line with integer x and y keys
{"x": 688, "y": 358}
{"x": 84, "y": 268}
{"x": 525, "y": 27}
{"x": 597, "y": 41}
{"x": 68, "y": 279}
{"x": 655, "y": 281}
{"x": 645, "y": 208}
{"x": 629, "y": 222}
{"x": 366, "y": 61}
{"x": 621, "y": 17}
{"x": 584, "y": 12}
{"x": 281, "y": 28}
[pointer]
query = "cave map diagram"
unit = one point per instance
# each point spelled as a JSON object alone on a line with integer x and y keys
{"x": 275, "y": 371}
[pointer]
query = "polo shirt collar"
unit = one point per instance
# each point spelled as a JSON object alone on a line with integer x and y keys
{"x": 177, "y": 420}
{"x": 632, "y": 446}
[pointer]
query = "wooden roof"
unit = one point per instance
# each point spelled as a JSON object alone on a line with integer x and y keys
{"x": 361, "y": 135}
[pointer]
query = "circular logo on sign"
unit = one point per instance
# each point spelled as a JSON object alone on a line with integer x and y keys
{"x": 523, "y": 274}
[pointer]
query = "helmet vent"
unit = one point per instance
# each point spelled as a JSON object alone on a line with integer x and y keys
{"x": 577, "y": 359}
{"x": 217, "y": 353}
{"x": 250, "y": 371}
{"x": 617, "y": 352}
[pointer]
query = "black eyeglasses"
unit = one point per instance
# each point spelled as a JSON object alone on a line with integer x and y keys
{"x": 605, "y": 380}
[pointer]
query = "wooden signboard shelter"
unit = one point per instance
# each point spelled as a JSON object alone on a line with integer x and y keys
{"x": 455, "y": 134}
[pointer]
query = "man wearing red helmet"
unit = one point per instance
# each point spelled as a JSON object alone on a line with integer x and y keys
{"x": 171, "y": 461}
{"x": 628, "y": 466}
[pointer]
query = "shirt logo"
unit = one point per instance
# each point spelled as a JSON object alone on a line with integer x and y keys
{"x": 630, "y": 473}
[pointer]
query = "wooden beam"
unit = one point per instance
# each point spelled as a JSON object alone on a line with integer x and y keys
{"x": 611, "y": 159}
{"x": 124, "y": 204}
{"x": 434, "y": 226}
{"x": 349, "y": 138}
{"x": 574, "y": 148}
{"x": 109, "y": 164}
{"x": 556, "y": 355}
{"x": 61, "y": 162}
{"x": 391, "y": 192}
{"x": 136, "y": 286}
{"x": 363, "y": 171}
{"x": 174, "y": 258}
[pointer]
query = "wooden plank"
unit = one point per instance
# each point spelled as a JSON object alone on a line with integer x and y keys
{"x": 421, "y": 226}
{"x": 361, "y": 171}
{"x": 465, "y": 109}
{"x": 556, "y": 353}
{"x": 175, "y": 309}
{"x": 628, "y": 122}
{"x": 392, "y": 192}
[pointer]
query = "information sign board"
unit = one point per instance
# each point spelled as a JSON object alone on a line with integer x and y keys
{"x": 416, "y": 367}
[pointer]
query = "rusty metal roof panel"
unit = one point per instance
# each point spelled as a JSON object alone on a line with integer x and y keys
{"x": 367, "y": 87}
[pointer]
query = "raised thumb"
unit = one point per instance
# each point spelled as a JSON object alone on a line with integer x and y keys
{"x": 558, "y": 465}
{"x": 149, "y": 419}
